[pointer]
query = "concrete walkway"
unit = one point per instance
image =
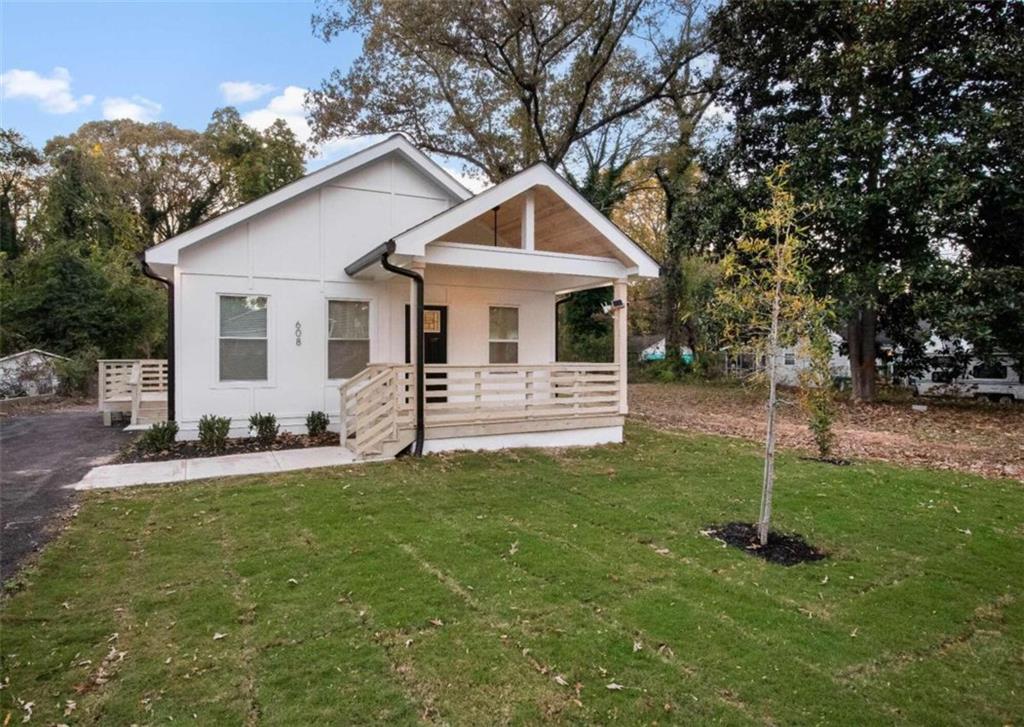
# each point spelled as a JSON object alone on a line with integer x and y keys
{"x": 201, "y": 468}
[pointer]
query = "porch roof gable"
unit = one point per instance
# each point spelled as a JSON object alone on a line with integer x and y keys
{"x": 413, "y": 242}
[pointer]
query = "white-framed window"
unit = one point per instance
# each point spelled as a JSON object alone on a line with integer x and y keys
{"x": 348, "y": 337}
{"x": 503, "y": 339}
{"x": 242, "y": 338}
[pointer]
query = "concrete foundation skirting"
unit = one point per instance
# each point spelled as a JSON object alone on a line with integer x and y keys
{"x": 558, "y": 438}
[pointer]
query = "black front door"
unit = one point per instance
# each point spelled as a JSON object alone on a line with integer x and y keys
{"x": 435, "y": 343}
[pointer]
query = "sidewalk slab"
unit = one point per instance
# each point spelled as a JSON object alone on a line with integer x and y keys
{"x": 113, "y": 476}
{"x": 136, "y": 473}
{"x": 300, "y": 459}
{"x": 251, "y": 463}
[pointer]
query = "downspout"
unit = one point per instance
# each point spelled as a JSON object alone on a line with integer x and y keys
{"x": 381, "y": 253}
{"x": 148, "y": 272}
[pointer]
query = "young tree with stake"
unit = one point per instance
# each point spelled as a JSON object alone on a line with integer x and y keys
{"x": 766, "y": 304}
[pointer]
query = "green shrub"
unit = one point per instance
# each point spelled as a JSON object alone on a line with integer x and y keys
{"x": 316, "y": 423}
{"x": 264, "y": 427}
{"x": 213, "y": 432}
{"x": 158, "y": 438}
{"x": 77, "y": 373}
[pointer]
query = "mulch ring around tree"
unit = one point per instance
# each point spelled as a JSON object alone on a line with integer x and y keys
{"x": 781, "y": 548}
{"x": 192, "y": 449}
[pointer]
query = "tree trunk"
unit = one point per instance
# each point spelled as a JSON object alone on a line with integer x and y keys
{"x": 860, "y": 336}
{"x": 671, "y": 283}
{"x": 768, "y": 481}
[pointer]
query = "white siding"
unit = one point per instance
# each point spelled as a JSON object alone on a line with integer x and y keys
{"x": 295, "y": 255}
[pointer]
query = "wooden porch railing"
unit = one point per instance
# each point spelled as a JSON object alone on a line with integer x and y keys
{"x": 380, "y": 401}
{"x": 126, "y": 384}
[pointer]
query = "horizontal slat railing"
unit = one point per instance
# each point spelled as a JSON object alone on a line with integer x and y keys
{"x": 467, "y": 394}
{"x": 381, "y": 399}
{"x": 115, "y": 382}
{"x": 369, "y": 409}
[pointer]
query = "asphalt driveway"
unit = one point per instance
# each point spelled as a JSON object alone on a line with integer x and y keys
{"x": 39, "y": 454}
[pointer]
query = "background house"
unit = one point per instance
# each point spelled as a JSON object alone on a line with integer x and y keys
{"x": 29, "y": 373}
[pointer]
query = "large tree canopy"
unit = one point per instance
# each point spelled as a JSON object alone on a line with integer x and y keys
{"x": 902, "y": 124}
{"x": 503, "y": 85}
{"x": 20, "y": 163}
{"x": 103, "y": 194}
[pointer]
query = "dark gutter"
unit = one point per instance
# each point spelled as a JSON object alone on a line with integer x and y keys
{"x": 148, "y": 272}
{"x": 380, "y": 254}
{"x": 371, "y": 258}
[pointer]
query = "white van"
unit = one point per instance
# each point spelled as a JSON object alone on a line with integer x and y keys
{"x": 997, "y": 381}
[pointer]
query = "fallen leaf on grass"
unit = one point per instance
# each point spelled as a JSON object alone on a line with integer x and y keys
{"x": 218, "y": 636}
{"x": 637, "y": 646}
{"x": 437, "y": 622}
{"x": 614, "y": 687}
{"x": 514, "y": 548}
{"x": 561, "y": 681}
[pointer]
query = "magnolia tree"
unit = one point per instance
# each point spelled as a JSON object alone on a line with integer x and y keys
{"x": 766, "y": 305}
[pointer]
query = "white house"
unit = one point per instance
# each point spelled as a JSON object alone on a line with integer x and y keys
{"x": 790, "y": 362}
{"x": 301, "y": 301}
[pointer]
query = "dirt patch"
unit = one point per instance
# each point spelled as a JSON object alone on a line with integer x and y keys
{"x": 192, "y": 449}
{"x": 781, "y": 548}
{"x": 29, "y": 406}
{"x": 979, "y": 438}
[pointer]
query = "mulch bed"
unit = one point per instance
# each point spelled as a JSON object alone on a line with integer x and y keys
{"x": 782, "y": 549}
{"x": 192, "y": 449}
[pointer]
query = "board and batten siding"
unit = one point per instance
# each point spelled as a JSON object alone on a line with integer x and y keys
{"x": 295, "y": 255}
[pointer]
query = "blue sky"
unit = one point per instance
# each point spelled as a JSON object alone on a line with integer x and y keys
{"x": 63, "y": 64}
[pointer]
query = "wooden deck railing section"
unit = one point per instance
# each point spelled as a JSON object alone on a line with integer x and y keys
{"x": 379, "y": 402}
{"x": 128, "y": 384}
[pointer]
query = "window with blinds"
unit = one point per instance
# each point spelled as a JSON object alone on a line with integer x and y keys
{"x": 504, "y": 335}
{"x": 243, "y": 338}
{"x": 348, "y": 338}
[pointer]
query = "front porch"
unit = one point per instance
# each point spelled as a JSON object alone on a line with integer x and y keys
{"x": 478, "y": 407}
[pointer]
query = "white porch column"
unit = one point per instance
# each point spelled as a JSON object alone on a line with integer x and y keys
{"x": 529, "y": 214}
{"x": 621, "y": 331}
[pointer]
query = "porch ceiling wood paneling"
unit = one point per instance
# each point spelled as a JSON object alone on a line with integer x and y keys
{"x": 559, "y": 228}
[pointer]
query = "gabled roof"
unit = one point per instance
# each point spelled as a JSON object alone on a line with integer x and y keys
{"x": 39, "y": 351}
{"x": 414, "y": 240}
{"x": 167, "y": 251}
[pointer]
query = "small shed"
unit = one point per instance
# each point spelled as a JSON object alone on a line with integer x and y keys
{"x": 29, "y": 373}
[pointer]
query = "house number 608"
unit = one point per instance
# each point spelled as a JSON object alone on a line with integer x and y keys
{"x": 298, "y": 333}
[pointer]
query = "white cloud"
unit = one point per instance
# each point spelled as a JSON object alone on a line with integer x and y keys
{"x": 289, "y": 105}
{"x": 244, "y": 91}
{"x": 136, "y": 108}
{"x": 53, "y": 92}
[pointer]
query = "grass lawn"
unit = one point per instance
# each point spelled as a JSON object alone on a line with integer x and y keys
{"x": 515, "y": 587}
